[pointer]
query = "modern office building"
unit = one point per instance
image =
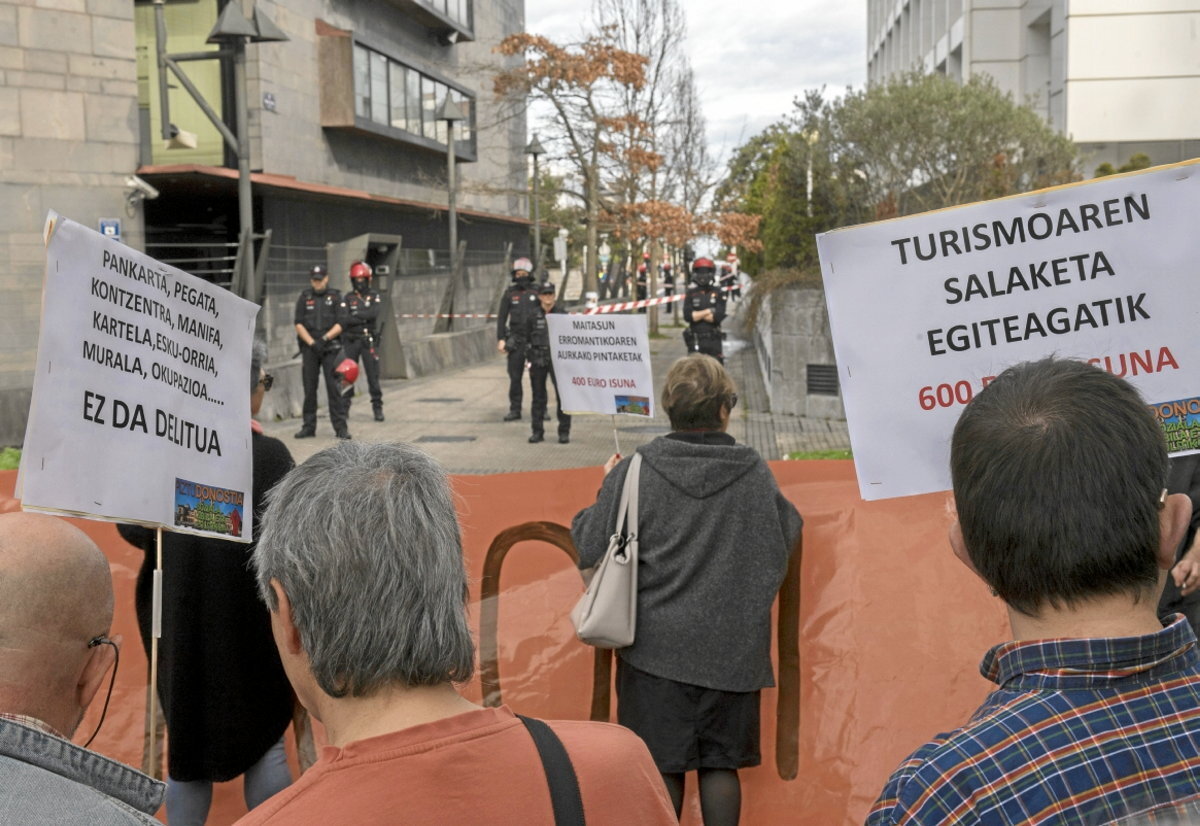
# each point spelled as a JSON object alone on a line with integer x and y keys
{"x": 1118, "y": 77}
{"x": 348, "y": 150}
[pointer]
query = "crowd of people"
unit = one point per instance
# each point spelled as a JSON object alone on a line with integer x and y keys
{"x": 352, "y": 604}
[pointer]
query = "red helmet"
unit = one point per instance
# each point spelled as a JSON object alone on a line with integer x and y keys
{"x": 641, "y": 267}
{"x": 646, "y": 256}
{"x": 522, "y": 265}
{"x": 360, "y": 269}
{"x": 347, "y": 374}
{"x": 703, "y": 264}
{"x": 731, "y": 257}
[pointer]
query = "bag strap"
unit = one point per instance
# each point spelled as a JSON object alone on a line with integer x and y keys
{"x": 560, "y": 774}
{"x": 632, "y": 484}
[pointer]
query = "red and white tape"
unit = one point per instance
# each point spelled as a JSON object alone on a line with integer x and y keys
{"x": 605, "y": 308}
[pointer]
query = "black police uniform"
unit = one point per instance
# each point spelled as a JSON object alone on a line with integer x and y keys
{"x": 668, "y": 277}
{"x": 319, "y": 312}
{"x": 642, "y": 286}
{"x": 540, "y": 367}
{"x": 360, "y": 332}
{"x": 704, "y": 336}
{"x": 518, "y": 307}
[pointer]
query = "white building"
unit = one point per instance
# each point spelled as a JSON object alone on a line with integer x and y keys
{"x": 1117, "y": 76}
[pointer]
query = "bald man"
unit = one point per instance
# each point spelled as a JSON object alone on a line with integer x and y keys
{"x": 56, "y": 608}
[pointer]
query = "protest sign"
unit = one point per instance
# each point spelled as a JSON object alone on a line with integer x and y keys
{"x": 602, "y": 365}
{"x": 926, "y": 310}
{"x": 141, "y": 395}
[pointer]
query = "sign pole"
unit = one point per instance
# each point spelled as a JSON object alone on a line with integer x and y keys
{"x": 155, "y": 634}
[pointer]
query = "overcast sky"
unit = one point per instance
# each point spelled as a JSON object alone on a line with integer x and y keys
{"x": 751, "y": 57}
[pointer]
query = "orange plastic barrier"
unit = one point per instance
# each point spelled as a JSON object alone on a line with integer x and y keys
{"x": 891, "y": 631}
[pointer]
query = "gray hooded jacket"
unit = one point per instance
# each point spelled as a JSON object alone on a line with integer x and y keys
{"x": 715, "y": 535}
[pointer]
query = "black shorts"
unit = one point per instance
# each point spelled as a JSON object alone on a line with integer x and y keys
{"x": 688, "y": 727}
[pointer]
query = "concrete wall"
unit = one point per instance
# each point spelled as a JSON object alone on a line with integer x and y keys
{"x": 68, "y": 137}
{"x": 792, "y": 332}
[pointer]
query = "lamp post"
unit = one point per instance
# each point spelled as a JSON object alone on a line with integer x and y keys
{"x": 233, "y": 30}
{"x": 535, "y": 149}
{"x": 451, "y": 113}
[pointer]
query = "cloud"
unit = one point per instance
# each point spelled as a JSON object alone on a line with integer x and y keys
{"x": 751, "y": 57}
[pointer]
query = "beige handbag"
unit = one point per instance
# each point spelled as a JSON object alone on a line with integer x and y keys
{"x": 606, "y": 614}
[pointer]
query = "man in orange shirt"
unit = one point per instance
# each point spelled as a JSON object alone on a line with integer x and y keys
{"x": 360, "y": 561}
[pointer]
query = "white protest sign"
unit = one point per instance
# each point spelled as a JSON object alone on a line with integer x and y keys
{"x": 925, "y": 310}
{"x": 602, "y": 363}
{"x": 141, "y": 395}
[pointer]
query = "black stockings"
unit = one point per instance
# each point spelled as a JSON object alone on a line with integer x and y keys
{"x": 720, "y": 795}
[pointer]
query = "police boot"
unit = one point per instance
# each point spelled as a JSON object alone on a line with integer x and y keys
{"x": 379, "y": 413}
{"x": 537, "y": 436}
{"x": 513, "y": 416}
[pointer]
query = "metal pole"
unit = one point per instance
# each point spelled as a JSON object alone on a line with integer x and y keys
{"x": 537, "y": 221}
{"x": 160, "y": 47}
{"x": 245, "y": 198}
{"x": 452, "y": 186}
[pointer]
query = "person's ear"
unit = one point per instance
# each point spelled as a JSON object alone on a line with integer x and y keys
{"x": 959, "y": 546}
{"x": 1173, "y": 520}
{"x": 100, "y": 658}
{"x": 283, "y": 621}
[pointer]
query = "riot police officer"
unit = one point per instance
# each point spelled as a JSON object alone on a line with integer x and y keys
{"x": 360, "y": 323}
{"x": 704, "y": 310}
{"x": 318, "y": 327}
{"x": 540, "y": 367}
{"x": 518, "y": 308}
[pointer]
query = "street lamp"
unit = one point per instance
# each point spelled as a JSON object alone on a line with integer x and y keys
{"x": 232, "y": 32}
{"x": 451, "y": 113}
{"x": 535, "y": 148}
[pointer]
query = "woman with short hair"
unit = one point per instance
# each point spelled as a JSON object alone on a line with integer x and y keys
{"x": 715, "y": 535}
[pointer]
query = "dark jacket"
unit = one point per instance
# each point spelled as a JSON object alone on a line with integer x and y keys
{"x": 715, "y": 536}
{"x": 704, "y": 298}
{"x": 360, "y": 313}
{"x": 224, "y": 692}
{"x": 518, "y": 308}
{"x": 318, "y": 312}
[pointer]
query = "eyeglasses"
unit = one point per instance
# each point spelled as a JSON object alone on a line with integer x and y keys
{"x": 267, "y": 381}
{"x": 92, "y": 643}
{"x": 732, "y": 400}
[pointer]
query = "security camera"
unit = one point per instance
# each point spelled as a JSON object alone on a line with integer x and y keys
{"x": 140, "y": 188}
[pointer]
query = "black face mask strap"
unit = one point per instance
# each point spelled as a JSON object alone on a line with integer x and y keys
{"x": 92, "y": 643}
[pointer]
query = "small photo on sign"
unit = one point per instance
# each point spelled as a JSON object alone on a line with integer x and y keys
{"x": 1180, "y": 421}
{"x": 634, "y": 405}
{"x": 207, "y": 508}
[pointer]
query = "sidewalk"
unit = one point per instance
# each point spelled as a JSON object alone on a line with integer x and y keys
{"x": 456, "y": 417}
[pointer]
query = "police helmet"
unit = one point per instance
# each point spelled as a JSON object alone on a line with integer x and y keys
{"x": 360, "y": 269}
{"x": 522, "y": 265}
{"x": 703, "y": 270}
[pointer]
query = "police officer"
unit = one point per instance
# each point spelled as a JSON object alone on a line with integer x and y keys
{"x": 540, "y": 366}
{"x": 318, "y": 311}
{"x": 360, "y": 323}
{"x": 704, "y": 310}
{"x": 518, "y": 309}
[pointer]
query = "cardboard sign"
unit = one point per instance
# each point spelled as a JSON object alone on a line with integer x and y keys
{"x": 602, "y": 363}
{"x": 141, "y": 395}
{"x": 925, "y": 310}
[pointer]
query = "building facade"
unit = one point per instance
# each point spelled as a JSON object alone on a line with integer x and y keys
{"x": 346, "y": 146}
{"x": 1116, "y": 77}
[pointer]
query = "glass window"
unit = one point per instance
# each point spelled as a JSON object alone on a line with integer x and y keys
{"x": 428, "y": 108}
{"x": 413, "y": 101}
{"x": 439, "y": 95}
{"x": 397, "y": 83}
{"x": 379, "y": 93}
{"x": 362, "y": 85}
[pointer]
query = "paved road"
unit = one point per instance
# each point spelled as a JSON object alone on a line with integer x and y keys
{"x": 456, "y": 416}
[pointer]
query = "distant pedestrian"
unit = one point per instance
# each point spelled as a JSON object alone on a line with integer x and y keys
{"x": 704, "y": 310}
{"x": 518, "y": 309}
{"x": 361, "y": 324}
{"x": 318, "y": 311}
{"x": 540, "y": 366}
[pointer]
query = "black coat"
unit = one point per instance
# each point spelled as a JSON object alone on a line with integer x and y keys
{"x": 223, "y": 689}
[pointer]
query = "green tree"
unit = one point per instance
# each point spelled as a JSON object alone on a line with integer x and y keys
{"x": 1138, "y": 160}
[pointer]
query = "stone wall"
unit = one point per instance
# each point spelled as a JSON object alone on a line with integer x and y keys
{"x": 792, "y": 332}
{"x": 68, "y": 137}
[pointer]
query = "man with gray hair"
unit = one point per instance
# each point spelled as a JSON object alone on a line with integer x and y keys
{"x": 360, "y": 561}
{"x": 56, "y": 608}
